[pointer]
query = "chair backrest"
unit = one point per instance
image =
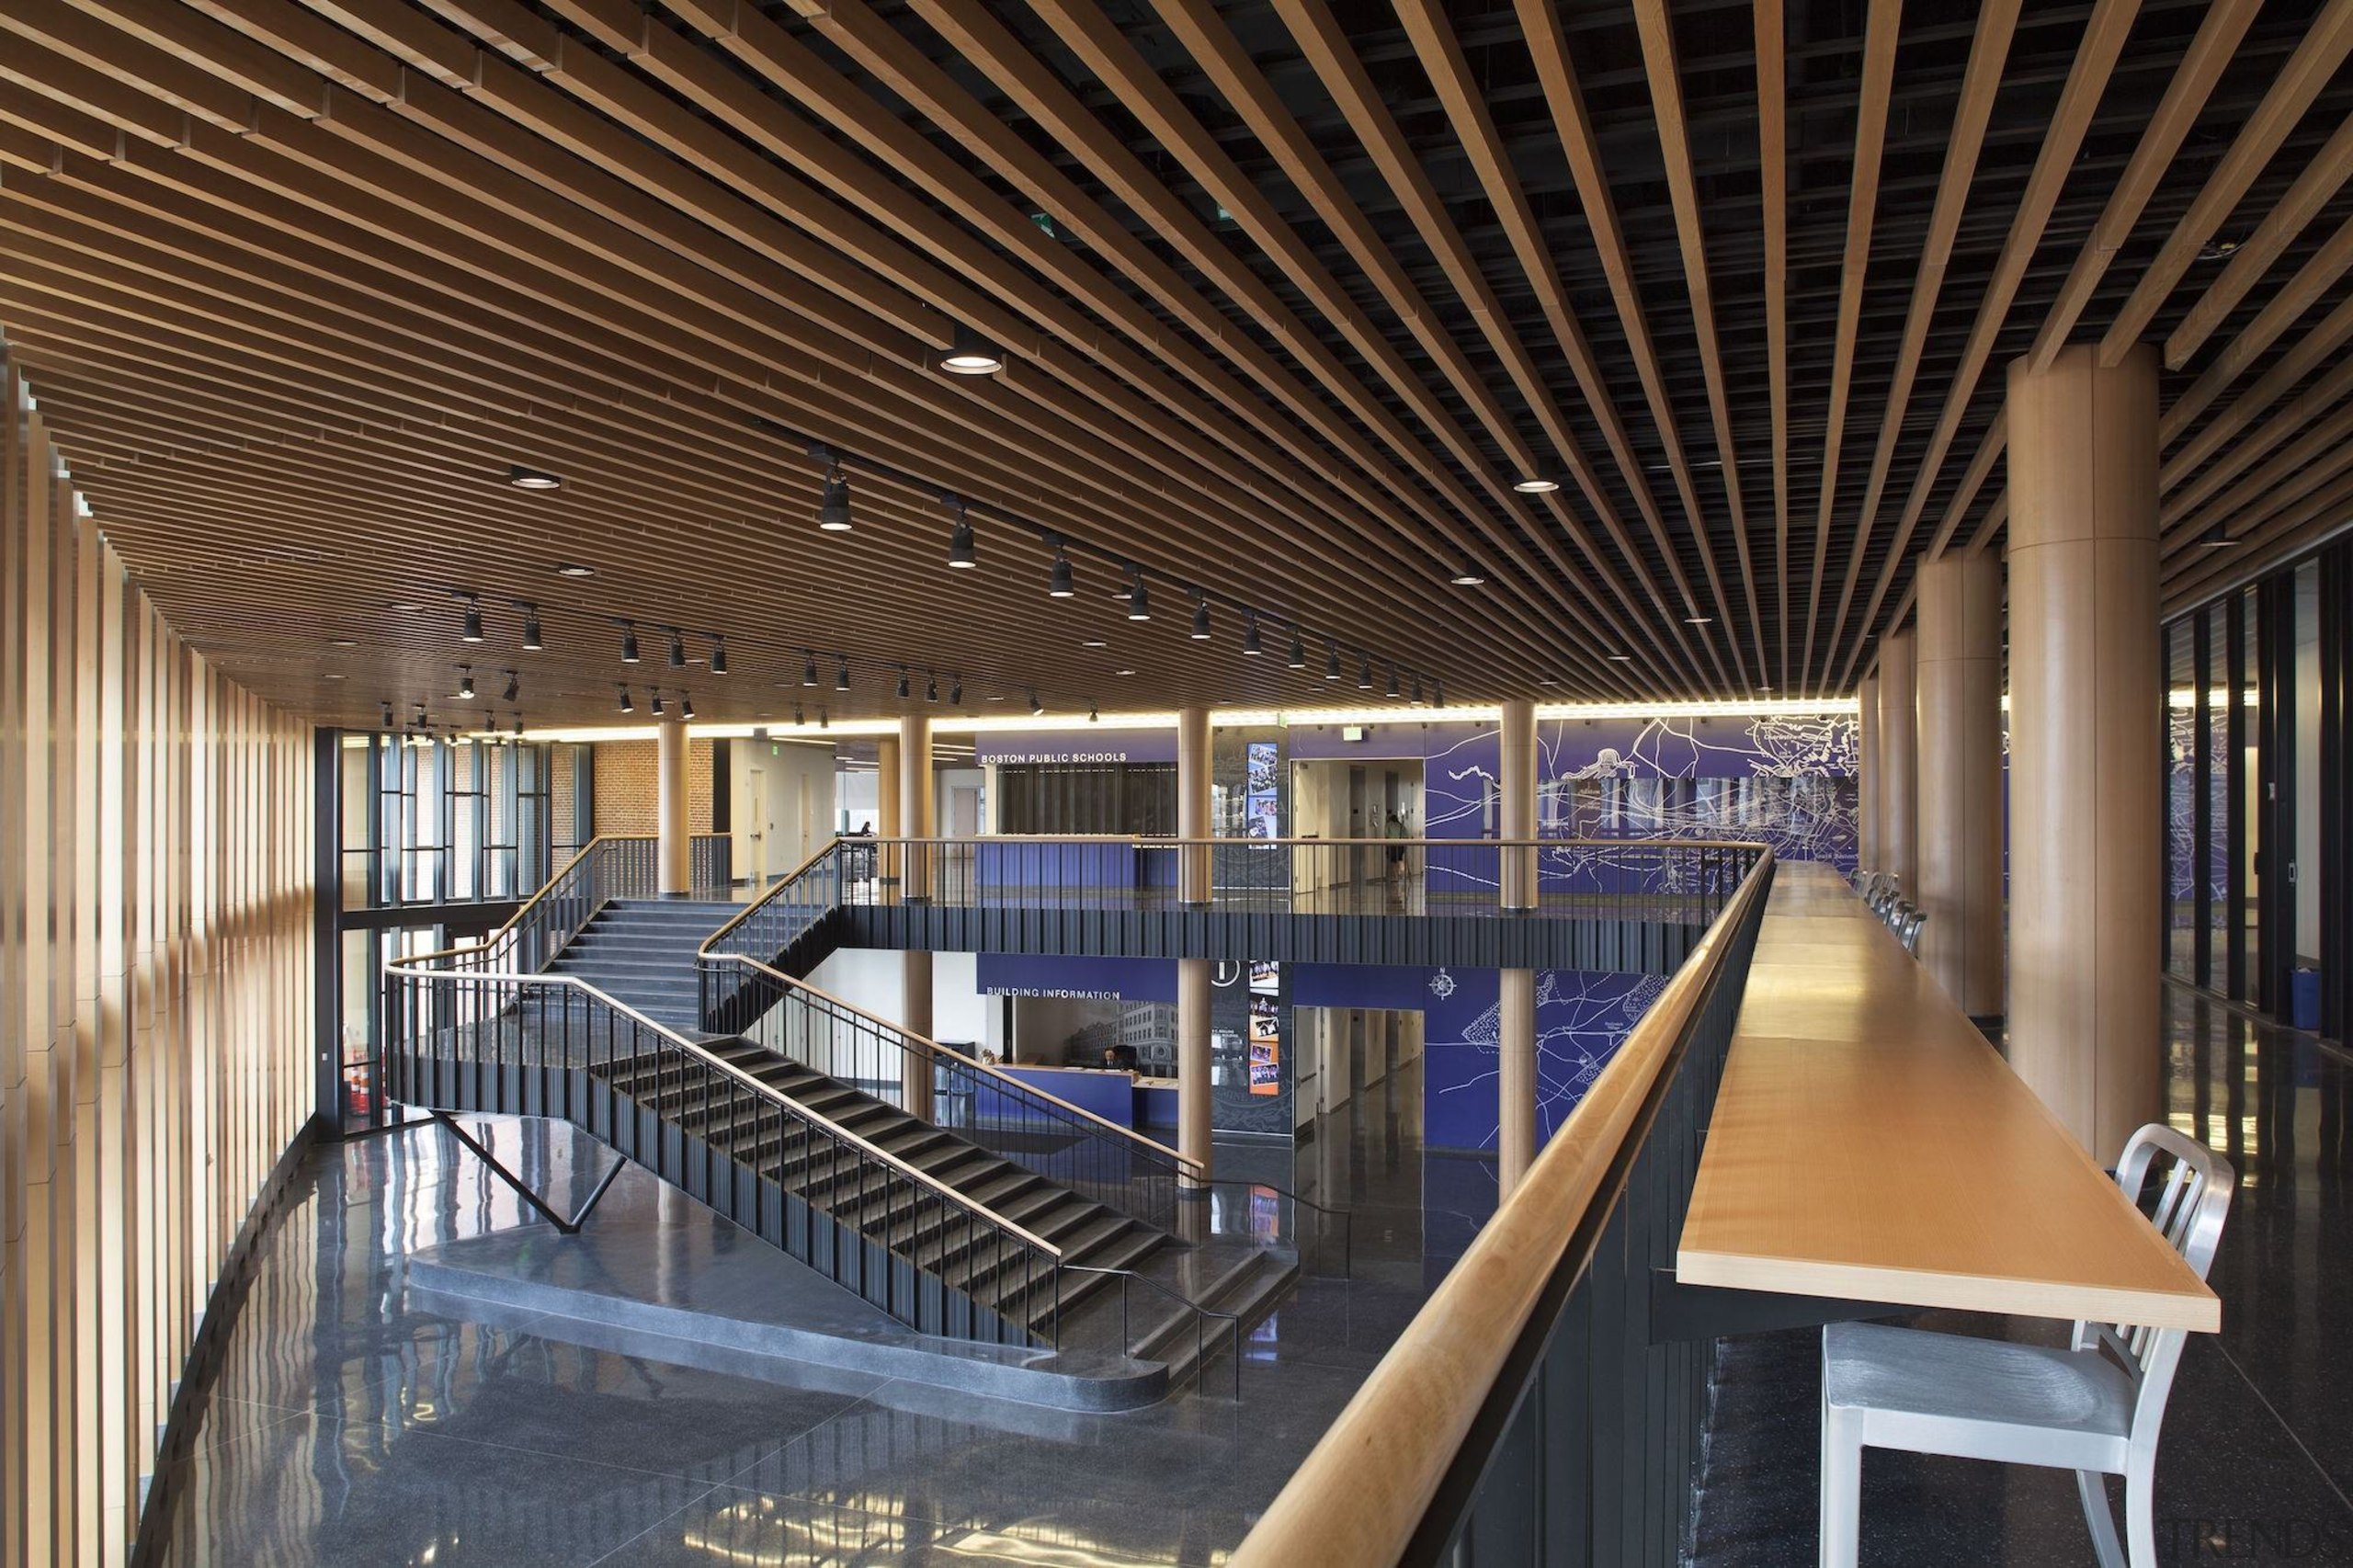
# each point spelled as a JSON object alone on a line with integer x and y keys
{"x": 1909, "y": 931}
{"x": 2189, "y": 1202}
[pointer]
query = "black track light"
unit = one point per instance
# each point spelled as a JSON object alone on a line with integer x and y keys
{"x": 627, "y": 706}
{"x": 532, "y": 641}
{"x": 1036, "y": 707}
{"x": 1331, "y": 659}
{"x": 1200, "y": 616}
{"x": 1298, "y": 659}
{"x": 960, "y": 554}
{"x": 518, "y": 721}
{"x": 472, "y": 630}
{"x": 466, "y": 682}
{"x": 833, "y": 506}
{"x": 718, "y": 656}
{"x": 686, "y": 707}
{"x": 1250, "y": 644}
{"x": 1139, "y": 602}
{"x": 629, "y": 643}
{"x": 678, "y": 652}
{"x": 657, "y": 702}
{"x": 956, "y": 693}
{"x": 903, "y": 683}
{"x": 841, "y": 675}
{"x": 824, "y": 720}
{"x": 1058, "y": 583}
{"x": 1438, "y": 694}
{"x": 1364, "y": 672}
{"x": 971, "y": 354}
{"x": 388, "y": 715}
{"x": 800, "y": 715}
{"x": 1092, "y": 716}
{"x": 1417, "y": 692}
{"x": 513, "y": 687}
{"x": 1393, "y": 693}
{"x": 523, "y": 478}
{"x": 2216, "y": 536}
{"x": 931, "y": 691}
{"x": 808, "y": 668}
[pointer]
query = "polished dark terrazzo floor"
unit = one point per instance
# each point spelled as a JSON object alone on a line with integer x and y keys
{"x": 2256, "y": 1461}
{"x": 342, "y": 1425}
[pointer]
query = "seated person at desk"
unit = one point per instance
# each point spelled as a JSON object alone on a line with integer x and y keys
{"x": 1119, "y": 1059}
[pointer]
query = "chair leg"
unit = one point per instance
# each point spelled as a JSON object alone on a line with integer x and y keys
{"x": 2139, "y": 1509}
{"x": 2093, "y": 1487}
{"x": 1842, "y": 1489}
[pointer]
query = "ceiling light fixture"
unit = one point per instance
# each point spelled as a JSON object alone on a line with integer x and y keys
{"x": 931, "y": 691}
{"x": 1058, "y": 583}
{"x": 824, "y": 720}
{"x": 1393, "y": 683}
{"x": 472, "y": 632}
{"x": 678, "y": 652}
{"x": 960, "y": 554}
{"x": 833, "y": 503}
{"x": 1468, "y": 576}
{"x": 1298, "y": 659}
{"x": 970, "y": 354}
{"x": 523, "y": 478}
{"x": 388, "y": 714}
{"x": 1438, "y": 694}
{"x": 532, "y": 641}
{"x": 1200, "y": 616}
{"x": 1620, "y": 658}
{"x": 1699, "y": 620}
{"x": 657, "y": 702}
{"x": 627, "y": 706}
{"x": 573, "y": 569}
{"x": 1532, "y": 486}
{"x": 2216, "y": 536}
{"x": 956, "y": 693}
{"x": 513, "y": 687}
{"x": 718, "y": 655}
{"x": 903, "y": 683}
{"x": 1036, "y": 707}
{"x": 799, "y": 716}
{"x": 1331, "y": 659}
{"x": 1364, "y": 672}
{"x": 1417, "y": 692}
{"x": 841, "y": 674}
{"x": 1139, "y": 603}
{"x": 808, "y": 667}
{"x": 686, "y": 707}
{"x": 1251, "y": 646}
{"x": 629, "y": 643}
{"x": 466, "y": 682}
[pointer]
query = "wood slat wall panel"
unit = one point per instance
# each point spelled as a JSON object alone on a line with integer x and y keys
{"x": 155, "y": 966}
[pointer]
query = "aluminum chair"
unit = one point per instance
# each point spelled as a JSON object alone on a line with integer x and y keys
{"x": 2093, "y": 1409}
{"x": 1908, "y": 931}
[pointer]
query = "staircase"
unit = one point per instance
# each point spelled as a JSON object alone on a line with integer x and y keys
{"x": 1086, "y": 1232}
{"x": 640, "y": 952}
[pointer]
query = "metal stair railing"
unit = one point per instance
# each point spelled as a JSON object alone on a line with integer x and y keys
{"x": 472, "y": 1038}
{"x": 1098, "y": 1159}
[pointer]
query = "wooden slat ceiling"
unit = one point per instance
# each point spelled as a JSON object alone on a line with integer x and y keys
{"x": 1292, "y": 292}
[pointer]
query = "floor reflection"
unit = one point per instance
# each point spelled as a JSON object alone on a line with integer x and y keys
{"x": 343, "y": 1426}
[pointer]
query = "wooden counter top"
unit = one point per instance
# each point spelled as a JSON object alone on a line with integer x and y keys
{"x": 1868, "y": 1144}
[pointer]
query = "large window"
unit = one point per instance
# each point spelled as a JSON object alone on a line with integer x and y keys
{"x": 2259, "y": 828}
{"x": 440, "y": 821}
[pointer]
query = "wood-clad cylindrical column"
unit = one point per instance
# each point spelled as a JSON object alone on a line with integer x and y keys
{"x": 674, "y": 857}
{"x": 919, "y": 804}
{"x": 1960, "y": 778}
{"x": 1867, "y": 775}
{"x": 1898, "y": 762}
{"x": 888, "y": 819}
{"x": 2086, "y": 710}
{"x": 915, "y": 1018}
{"x": 1514, "y": 1078}
{"x": 1193, "y": 769}
{"x": 1515, "y": 803}
{"x": 1193, "y": 1068}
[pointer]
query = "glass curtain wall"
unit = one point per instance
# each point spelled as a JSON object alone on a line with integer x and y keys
{"x": 2259, "y": 829}
{"x": 432, "y": 820}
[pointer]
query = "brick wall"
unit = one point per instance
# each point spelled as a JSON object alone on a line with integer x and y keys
{"x": 626, "y": 797}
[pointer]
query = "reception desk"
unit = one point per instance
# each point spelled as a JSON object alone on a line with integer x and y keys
{"x": 1119, "y": 1096}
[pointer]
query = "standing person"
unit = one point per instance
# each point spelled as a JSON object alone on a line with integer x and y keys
{"x": 1396, "y": 832}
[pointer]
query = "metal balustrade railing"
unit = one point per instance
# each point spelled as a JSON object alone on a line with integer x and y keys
{"x": 1687, "y": 881}
{"x": 1099, "y": 1160}
{"x": 462, "y": 1037}
{"x": 610, "y": 867}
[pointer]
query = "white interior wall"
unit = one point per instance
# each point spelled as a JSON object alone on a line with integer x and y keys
{"x": 782, "y": 792}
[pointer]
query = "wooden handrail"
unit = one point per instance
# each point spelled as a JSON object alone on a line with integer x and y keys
{"x": 1363, "y": 1491}
{"x": 782, "y": 882}
{"x": 958, "y": 1057}
{"x": 1156, "y": 841}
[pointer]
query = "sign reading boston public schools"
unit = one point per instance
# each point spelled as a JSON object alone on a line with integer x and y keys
{"x": 1049, "y": 748}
